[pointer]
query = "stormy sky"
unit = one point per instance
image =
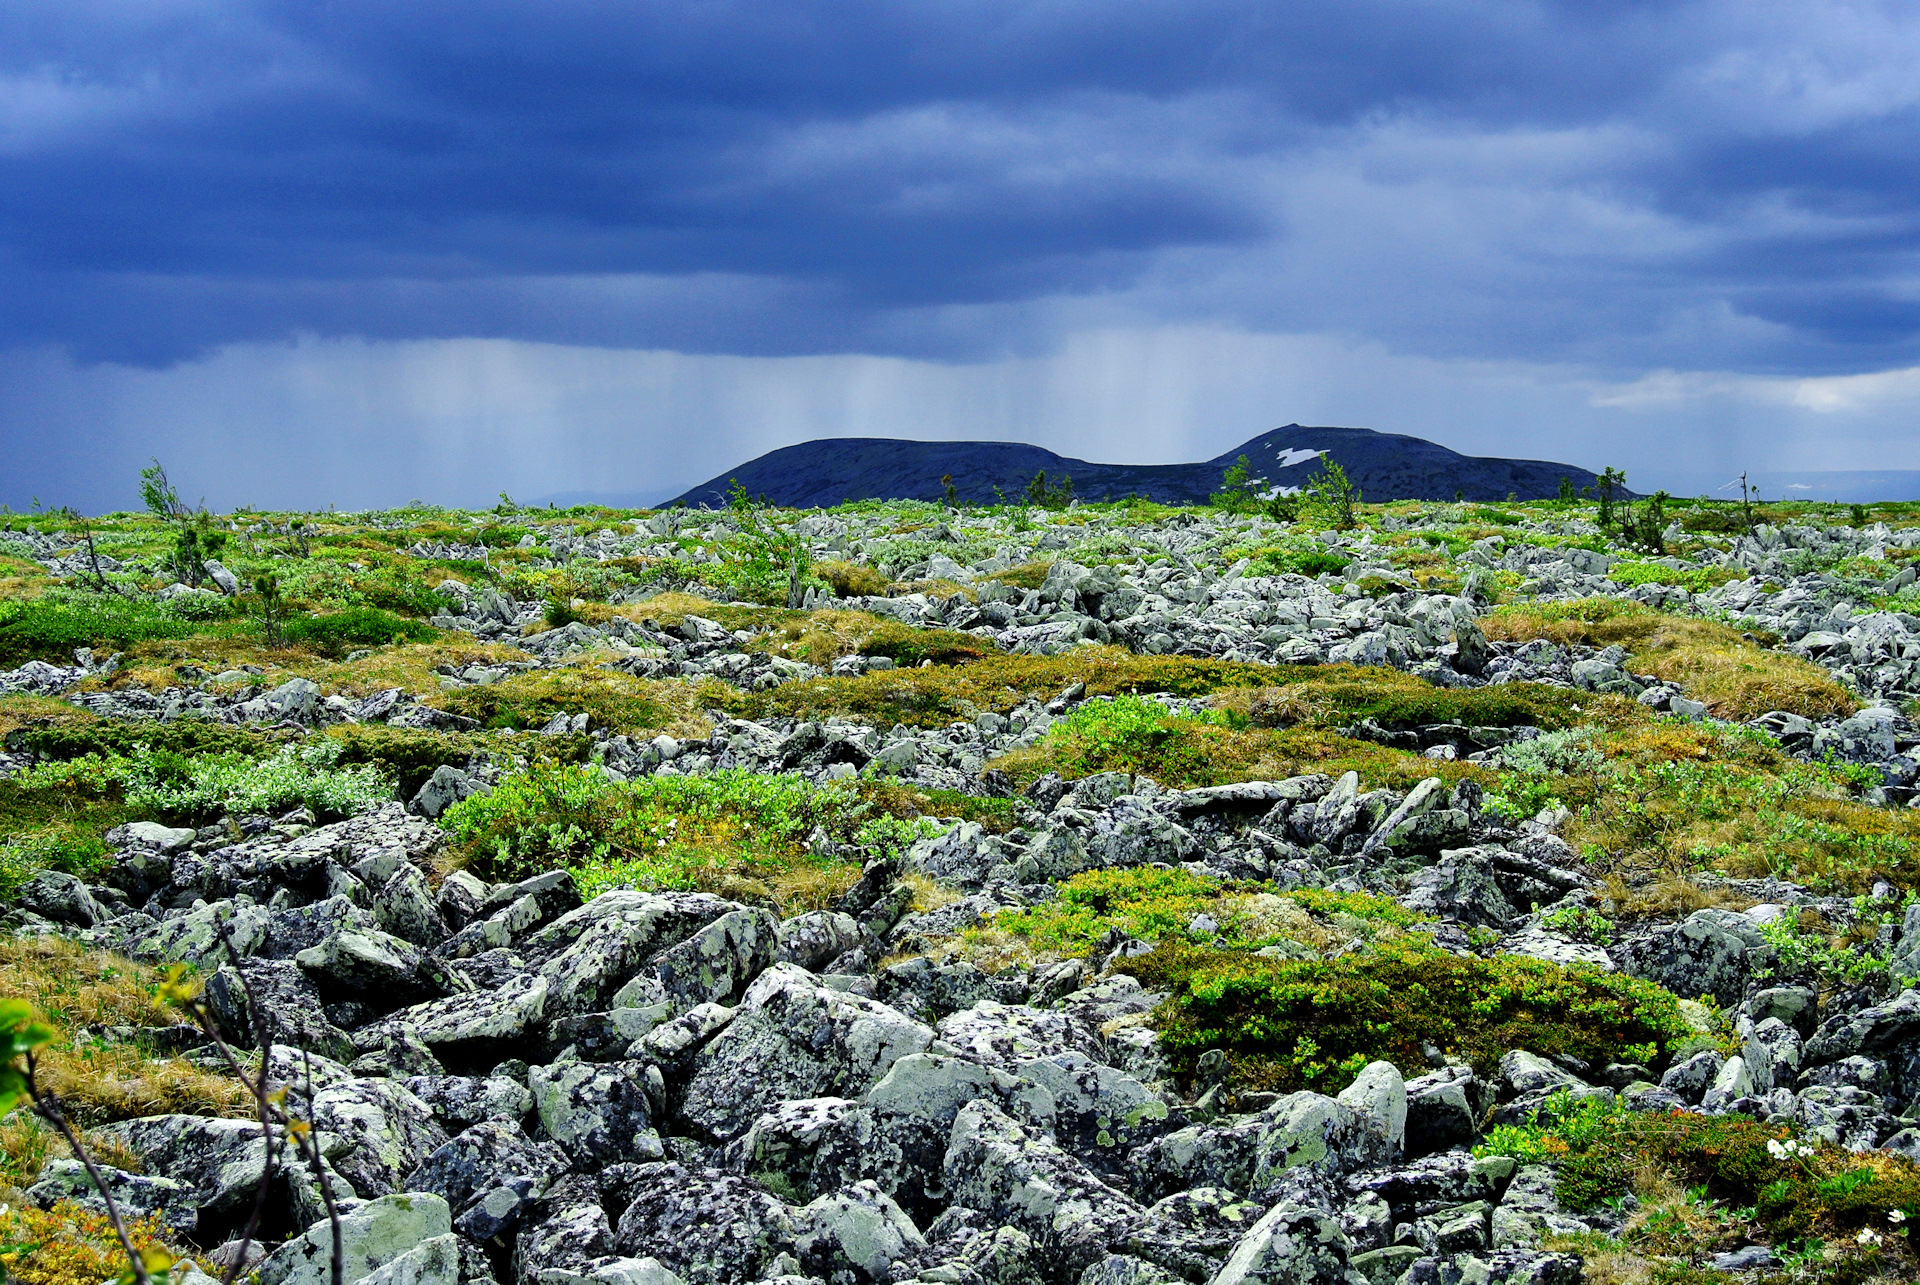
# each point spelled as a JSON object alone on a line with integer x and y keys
{"x": 315, "y": 251}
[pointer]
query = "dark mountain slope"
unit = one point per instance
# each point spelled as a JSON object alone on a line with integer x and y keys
{"x": 1385, "y": 466}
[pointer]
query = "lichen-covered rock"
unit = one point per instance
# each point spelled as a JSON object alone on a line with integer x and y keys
{"x": 489, "y": 1175}
{"x": 1006, "y": 1035}
{"x": 1292, "y": 1244}
{"x": 1099, "y": 1113}
{"x": 375, "y": 968}
{"x": 569, "y": 1232}
{"x": 282, "y": 995}
{"x": 388, "y": 1132}
{"x": 220, "y": 1161}
{"x": 1019, "y": 1178}
{"x": 793, "y": 1038}
{"x": 854, "y": 1236}
{"x": 138, "y": 1195}
{"x": 371, "y": 1237}
{"x": 460, "y": 1101}
{"x": 1710, "y": 952}
{"x": 597, "y": 1113}
{"x": 711, "y": 1228}
{"x": 588, "y": 953}
{"x": 715, "y": 965}
{"x": 475, "y": 1028}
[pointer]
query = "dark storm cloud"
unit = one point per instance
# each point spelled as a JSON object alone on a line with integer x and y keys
{"x": 863, "y": 177}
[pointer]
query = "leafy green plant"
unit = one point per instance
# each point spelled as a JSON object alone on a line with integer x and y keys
{"x": 743, "y": 832}
{"x": 1154, "y": 903}
{"x": 202, "y": 787}
{"x": 1236, "y": 489}
{"x": 1288, "y": 1024}
{"x": 337, "y": 633}
{"x": 51, "y": 626}
{"x": 1129, "y": 734}
{"x": 1303, "y": 558}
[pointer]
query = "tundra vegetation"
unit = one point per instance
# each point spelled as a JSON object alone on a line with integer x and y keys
{"x": 1303, "y": 887}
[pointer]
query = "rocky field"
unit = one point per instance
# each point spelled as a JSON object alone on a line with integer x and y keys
{"x": 1109, "y": 894}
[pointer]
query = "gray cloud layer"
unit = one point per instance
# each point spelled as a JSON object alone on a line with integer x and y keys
{"x": 1593, "y": 192}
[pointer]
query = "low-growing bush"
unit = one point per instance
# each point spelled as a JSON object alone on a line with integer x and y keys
{"x": 61, "y": 739}
{"x": 1708, "y": 661}
{"x": 1692, "y": 579}
{"x": 1792, "y": 1186}
{"x": 741, "y": 833}
{"x": 609, "y": 699}
{"x": 938, "y": 695}
{"x": 1302, "y": 558}
{"x": 1292, "y": 1024}
{"x": 202, "y": 787}
{"x": 70, "y": 1245}
{"x": 50, "y": 627}
{"x": 1156, "y": 903}
{"x": 410, "y": 755}
{"x": 1028, "y": 575}
{"x": 336, "y": 634}
{"x": 1339, "y": 695}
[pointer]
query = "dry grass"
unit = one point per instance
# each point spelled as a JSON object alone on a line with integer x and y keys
{"x": 19, "y": 710}
{"x": 850, "y": 580}
{"x": 100, "y": 1081}
{"x": 609, "y": 698}
{"x": 1708, "y": 661}
{"x": 21, "y": 580}
{"x": 154, "y": 665}
{"x": 928, "y": 893}
{"x": 1668, "y": 897}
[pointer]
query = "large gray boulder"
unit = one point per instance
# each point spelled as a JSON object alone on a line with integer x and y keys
{"x": 373, "y": 1236}
{"x": 489, "y": 1175}
{"x": 597, "y": 1113}
{"x": 1710, "y": 952}
{"x": 1019, "y": 1178}
{"x": 62, "y": 898}
{"x": 855, "y": 1235}
{"x": 589, "y": 953}
{"x": 1293, "y": 1244}
{"x": 220, "y": 1161}
{"x": 387, "y": 1132}
{"x": 793, "y": 1038}
{"x": 708, "y": 1227}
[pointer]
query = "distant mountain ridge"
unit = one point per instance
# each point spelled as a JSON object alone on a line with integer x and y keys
{"x": 1385, "y": 466}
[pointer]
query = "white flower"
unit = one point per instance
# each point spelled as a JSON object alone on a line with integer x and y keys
{"x": 1777, "y": 1149}
{"x": 1896, "y": 1215}
{"x": 1868, "y": 1236}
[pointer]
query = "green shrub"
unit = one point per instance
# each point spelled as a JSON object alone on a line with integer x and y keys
{"x": 340, "y": 632}
{"x": 905, "y": 645}
{"x": 410, "y": 755}
{"x": 50, "y": 627}
{"x": 742, "y": 832}
{"x": 1303, "y": 558}
{"x": 1792, "y": 1186}
{"x": 1692, "y": 579}
{"x": 62, "y": 739}
{"x": 1130, "y": 734}
{"x": 1156, "y": 903}
{"x": 73, "y": 852}
{"x": 1289, "y": 1024}
{"x": 608, "y": 698}
{"x": 202, "y": 787}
